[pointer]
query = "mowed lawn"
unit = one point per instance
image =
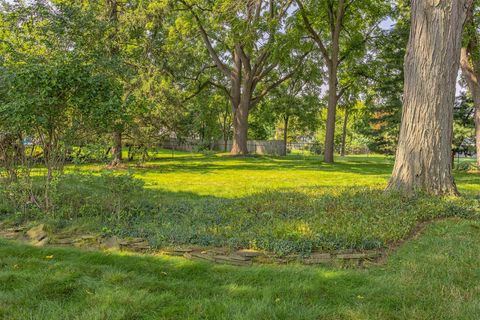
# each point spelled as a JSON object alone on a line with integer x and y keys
{"x": 231, "y": 177}
{"x": 436, "y": 276}
{"x": 292, "y": 205}
{"x": 227, "y": 177}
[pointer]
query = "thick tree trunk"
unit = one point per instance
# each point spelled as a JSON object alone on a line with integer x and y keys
{"x": 471, "y": 73}
{"x": 285, "y": 135}
{"x": 240, "y": 129}
{"x": 117, "y": 148}
{"x": 344, "y": 133}
{"x": 423, "y": 159}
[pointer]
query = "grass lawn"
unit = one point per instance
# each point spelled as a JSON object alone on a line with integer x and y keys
{"x": 283, "y": 205}
{"x": 436, "y": 276}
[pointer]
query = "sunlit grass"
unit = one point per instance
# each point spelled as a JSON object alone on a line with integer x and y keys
{"x": 221, "y": 175}
{"x": 286, "y": 205}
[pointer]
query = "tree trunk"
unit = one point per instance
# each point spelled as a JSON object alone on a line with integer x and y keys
{"x": 285, "y": 135}
{"x": 225, "y": 142}
{"x": 225, "y": 130}
{"x": 423, "y": 159}
{"x": 117, "y": 148}
{"x": 344, "y": 134}
{"x": 471, "y": 73}
{"x": 240, "y": 129}
{"x": 331, "y": 116}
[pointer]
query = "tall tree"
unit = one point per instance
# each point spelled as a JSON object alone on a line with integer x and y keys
{"x": 340, "y": 28}
{"x": 246, "y": 41}
{"x": 431, "y": 67}
{"x": 470, "y": 64}
{"x": 112, "y": 16}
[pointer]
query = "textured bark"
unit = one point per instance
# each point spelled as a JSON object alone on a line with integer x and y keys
{"x": 240, "y": 96}
{"x": 423, "y": 159}
{"x": 477, "y": 133}
{"x": 471, "y": 73}
{"x": 240, "y": 129}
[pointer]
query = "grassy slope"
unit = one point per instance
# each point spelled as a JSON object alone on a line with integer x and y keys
{"x": 433, "y": 277}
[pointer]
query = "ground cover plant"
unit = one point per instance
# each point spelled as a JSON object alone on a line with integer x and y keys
{"x": 281, "y": 205}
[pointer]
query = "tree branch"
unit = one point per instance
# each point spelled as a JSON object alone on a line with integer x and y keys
{"x": 275, "y": 84}
{"x": 316, "y": 37}
{"x": 213, "y": 54}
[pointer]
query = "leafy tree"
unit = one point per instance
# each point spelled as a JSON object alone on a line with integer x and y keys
{"x": 341, "y": 30}
{"x": 250, "y": 43}
{"x": 431, "y": 65}
{"x": 54, "y": 89}
{"x": 295, "y": 102}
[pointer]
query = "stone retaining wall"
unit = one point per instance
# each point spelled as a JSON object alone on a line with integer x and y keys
{"x": 38, "y": 236}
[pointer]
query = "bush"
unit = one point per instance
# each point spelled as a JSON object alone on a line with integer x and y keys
{"x": 316, "y": 148}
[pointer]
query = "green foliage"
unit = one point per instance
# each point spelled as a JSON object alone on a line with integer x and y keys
{"x": 282, "y": 218}
{"x": 464, "y": 126}
{"x": 381, "y": 121}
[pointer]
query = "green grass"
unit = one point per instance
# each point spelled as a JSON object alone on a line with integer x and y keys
{"x": 433, "y": 277}
{"x": 232, "y": 177}
{"x": 283, "y": 205}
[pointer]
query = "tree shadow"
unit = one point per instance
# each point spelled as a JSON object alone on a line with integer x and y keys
{"x": 55, "y": 283}
{"x": 212, "y": 164}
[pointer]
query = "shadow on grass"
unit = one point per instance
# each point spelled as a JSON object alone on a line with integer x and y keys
{"x": 435, "y": 275}
{"x": 215, "y": 163}
{"x": 282, "y": 221}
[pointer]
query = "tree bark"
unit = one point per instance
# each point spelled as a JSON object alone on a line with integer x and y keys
{"x": 117, "y": 148}
{"x": 331, "y": 115}
{"x": 240, "y": 129}
{"x": 471, "y": 73}
{"x": 423, "y": 159}
{"x": 240, "y": 97}
{"x": 344, "y": 134}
